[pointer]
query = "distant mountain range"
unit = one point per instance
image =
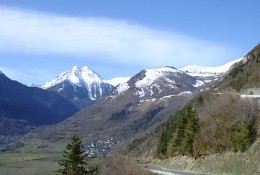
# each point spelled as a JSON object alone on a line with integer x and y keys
{"x": 83, "y": 86}
{"x": 132, "y": 107}
{"x": 140, "y": 102}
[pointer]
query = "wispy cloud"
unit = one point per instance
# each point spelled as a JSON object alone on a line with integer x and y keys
{"x": 115, "y": 40}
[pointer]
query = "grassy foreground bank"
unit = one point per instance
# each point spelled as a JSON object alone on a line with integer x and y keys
{"x": 226, "y": 163}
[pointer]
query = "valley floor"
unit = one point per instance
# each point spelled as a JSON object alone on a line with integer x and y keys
{"x": 30, "y": 167}
{"x": 34, "y": 157}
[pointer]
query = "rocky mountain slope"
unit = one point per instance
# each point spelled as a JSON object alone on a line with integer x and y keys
{"x": 244, "y": 74}
{"x": 80, "y": 86}
{"x": 22, "y": 107}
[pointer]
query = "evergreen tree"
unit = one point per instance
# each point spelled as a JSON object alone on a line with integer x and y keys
{"x": 74, "y": 163}
{"x": 191, "y": 129}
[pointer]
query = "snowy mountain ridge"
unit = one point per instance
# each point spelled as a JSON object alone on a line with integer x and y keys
{"x": 84, "y": 86}
{"x": 156, "y": 82}
{"x": 152, "y": 82}
{"x": 195, "y": 70}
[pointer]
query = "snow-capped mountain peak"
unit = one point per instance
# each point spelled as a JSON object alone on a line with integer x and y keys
{"x": 77, "y": 76}
{"x": 79, "y": 84}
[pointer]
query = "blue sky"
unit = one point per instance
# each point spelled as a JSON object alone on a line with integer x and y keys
{"x": 39, "y": 39}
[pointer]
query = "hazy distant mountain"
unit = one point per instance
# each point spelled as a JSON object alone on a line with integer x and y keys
{"x": 208, "y": 74}
{"x": 22, "y": 106}
{"x": 81, "y": 86}
{"x": 118, "y": 80}
{"x": 208, "y": 71}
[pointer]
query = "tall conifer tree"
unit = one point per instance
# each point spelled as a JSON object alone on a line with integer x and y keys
{"x": 74, "y": 163}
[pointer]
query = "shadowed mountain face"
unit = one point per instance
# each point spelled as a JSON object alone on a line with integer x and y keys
{"x": 30, "y": 106}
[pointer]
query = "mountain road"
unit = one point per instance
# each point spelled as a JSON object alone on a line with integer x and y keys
{"x": 161, "y": 170}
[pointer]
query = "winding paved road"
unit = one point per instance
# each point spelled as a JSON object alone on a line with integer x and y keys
{"x": 160, "y": 170}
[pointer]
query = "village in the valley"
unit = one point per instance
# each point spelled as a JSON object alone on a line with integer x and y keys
{"x": 99, "y": 147}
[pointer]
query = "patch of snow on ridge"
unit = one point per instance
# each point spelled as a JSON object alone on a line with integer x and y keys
{"x": 168, "y": 96}
{"x": 141, "y": 93}
{"x": 121, "y": 88}
{"x": 201, "y": 74}
{"x": 153, "y": 74}
{"x": 185, "y": 92}
{"x": 147, "y": 100}
{"x": 198, "y": 83}
{"x": 180, "y": 94}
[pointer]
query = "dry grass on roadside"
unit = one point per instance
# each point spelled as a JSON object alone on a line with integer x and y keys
{"x": 119, "y": 165}
{"x": 226, "y": 163}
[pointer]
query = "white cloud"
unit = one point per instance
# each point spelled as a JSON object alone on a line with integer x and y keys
{"x": 117, "y": 41}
